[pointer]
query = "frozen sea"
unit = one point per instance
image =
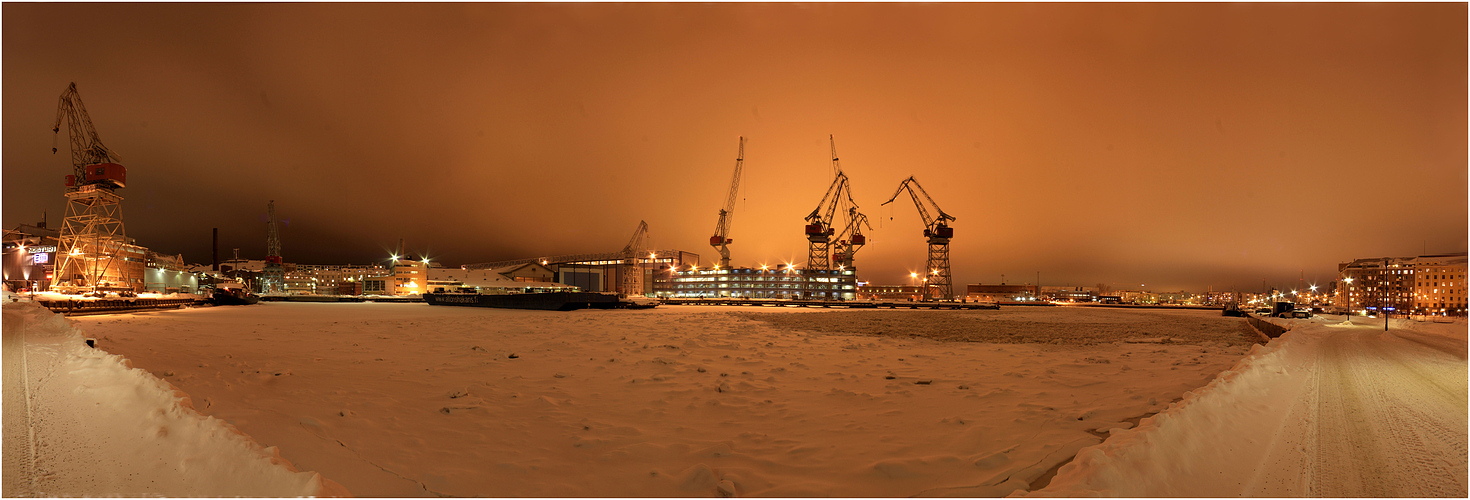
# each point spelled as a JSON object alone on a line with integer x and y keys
{"x": 404, "y": 400}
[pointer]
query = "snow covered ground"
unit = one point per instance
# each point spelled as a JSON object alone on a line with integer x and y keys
{"x": 419, "y": 400}
{"x": 81, "y": 422}
{"x": 1334, "y": 408}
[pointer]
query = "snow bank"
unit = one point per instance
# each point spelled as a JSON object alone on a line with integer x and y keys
{"x": 103, "y": 428}
{"x": 1331, "y": 408}
{"x": 1183, "y": 441}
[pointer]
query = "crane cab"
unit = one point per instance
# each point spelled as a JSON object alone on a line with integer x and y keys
{"x": 716, "y": 240}
{"x": 818, "y": 232}
{"x": 109, "y": 174}
{"x": 859, "y": 240}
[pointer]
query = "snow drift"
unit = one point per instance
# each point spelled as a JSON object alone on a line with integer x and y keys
{"x": 99, "y": 427}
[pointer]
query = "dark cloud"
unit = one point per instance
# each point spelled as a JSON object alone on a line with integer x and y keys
{"x": 1178, "y": 145}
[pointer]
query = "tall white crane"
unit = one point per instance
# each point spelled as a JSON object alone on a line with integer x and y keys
{"x": 721, "y": 240}
{"x": 937, "y": 232}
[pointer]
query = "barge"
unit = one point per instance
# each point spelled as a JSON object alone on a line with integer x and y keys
{"x": 546, "y": 301}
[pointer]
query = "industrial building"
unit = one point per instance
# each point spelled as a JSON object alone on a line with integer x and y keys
{"x": 600, "y": 272}
{"x": 31, "y": 255}
{"x": 784, "y": 282}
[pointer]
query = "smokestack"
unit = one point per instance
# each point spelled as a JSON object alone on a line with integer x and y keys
{"x": 215, "y": 263}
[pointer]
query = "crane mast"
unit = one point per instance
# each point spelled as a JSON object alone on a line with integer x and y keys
{"x": 632, "y": 272}
{"x": 721, "y": 240}
{"x": 937, "y": 283}
{"x": 92, "y": 232}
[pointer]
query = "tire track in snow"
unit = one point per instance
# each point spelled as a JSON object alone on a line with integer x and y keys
{"x": 1385, "y": 427}
{"x": 20, "y": 446}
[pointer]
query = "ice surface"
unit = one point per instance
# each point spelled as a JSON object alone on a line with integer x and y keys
{"x": 419, "y": 400}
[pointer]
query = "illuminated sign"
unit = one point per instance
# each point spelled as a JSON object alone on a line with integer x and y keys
{"x": 40, "y": 258}
{"x": 41, "y": 249}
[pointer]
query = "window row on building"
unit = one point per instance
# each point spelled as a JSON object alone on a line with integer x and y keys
{"x": 1427, "y": 284}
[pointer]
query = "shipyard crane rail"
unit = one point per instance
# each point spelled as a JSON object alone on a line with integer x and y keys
{"x": 721, "y": 240}
{"x": 937, "y": 282}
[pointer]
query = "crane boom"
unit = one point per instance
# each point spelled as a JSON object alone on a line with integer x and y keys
{"x": 721, "y": 240}
{"x": 915, "y": 190}
{"x": 86, "y": 146}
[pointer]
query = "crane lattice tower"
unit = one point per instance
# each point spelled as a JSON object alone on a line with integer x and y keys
{"x": 92, "y": 232}
{"x": 274, "y": 277}
{"x": 633, "y": 251}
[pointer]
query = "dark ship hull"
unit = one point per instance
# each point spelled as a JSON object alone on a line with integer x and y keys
{"x": 233, "y": 297}
{"x": 549, "y": 301}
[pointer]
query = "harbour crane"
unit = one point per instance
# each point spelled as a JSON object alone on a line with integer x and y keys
{"x": 851, "y": 239}
{"x": 819, "y": 224}
{"x": 721, "y": 240}
{"x": 92, "y": 232}
{"x": 937, "y": 232}
{"x": 632, "y": 272}
{"x": 92, "y": 162}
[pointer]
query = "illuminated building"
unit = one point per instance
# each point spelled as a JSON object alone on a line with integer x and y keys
{"x": 1439, "y": 284}
{"x": 782, "y": 282}
{"x": 1427, "y": 284}
{"x": 912, "y": 293}
{"x": 30, "y": 256}
{"x": 1000, "y": 293}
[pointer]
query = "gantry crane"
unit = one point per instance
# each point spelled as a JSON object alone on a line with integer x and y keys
{"x": 92, "y": 232}
{"x": 937, "y": 231}
{"x": 632, "y": 272}
{"x": 721, "y": 240}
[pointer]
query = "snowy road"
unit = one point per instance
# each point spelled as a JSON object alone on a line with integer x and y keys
{"x": 1388, "y": 416}
{"x": 81, "y": 422}
{"x": 1332, "y": 409}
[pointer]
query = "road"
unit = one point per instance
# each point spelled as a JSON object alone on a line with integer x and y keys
{"x": 1334, "y": 408}
{"x": 1389, "y": 415}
